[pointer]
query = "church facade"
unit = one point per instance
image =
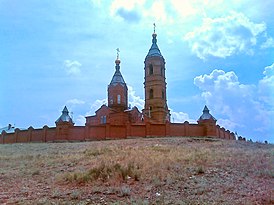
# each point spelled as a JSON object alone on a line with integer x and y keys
{"x": 116, "y": 120}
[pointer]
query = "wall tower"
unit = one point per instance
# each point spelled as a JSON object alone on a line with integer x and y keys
{"x": 156, "y": 108}
{"x": 117, "y": 89}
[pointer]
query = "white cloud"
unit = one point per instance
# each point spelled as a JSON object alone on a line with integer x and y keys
{"x": 135, "y": 100}
{"x": 75, "y": 102}
{"x": 72, "y": 67}
{"x": 184, "y": 7}
{"x": 269, "y": 43}
{"x": 80, "y": 120}
{"x": 238, "y": 105}
{"x": 226, "y": 123}
{"x": 158, "y": 12}
{"x": 95, "y": 106}
{"x": 180, "y": 117}
{"x": 266, "y": 86}
{"x": 225, "y": 36}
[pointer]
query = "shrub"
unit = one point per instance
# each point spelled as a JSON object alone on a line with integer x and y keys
{"x": 104, "y": 172}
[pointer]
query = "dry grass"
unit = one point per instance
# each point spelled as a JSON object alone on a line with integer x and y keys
{"x": 138, "y": 171}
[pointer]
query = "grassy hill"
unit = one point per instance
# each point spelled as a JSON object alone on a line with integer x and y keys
{"x": 138, "y": 171}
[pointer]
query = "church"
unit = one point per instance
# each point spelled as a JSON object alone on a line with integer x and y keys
{"x": 117, "y": 121}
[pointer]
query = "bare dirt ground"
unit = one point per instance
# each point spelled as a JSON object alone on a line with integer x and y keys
{"x": 138, "y": 171}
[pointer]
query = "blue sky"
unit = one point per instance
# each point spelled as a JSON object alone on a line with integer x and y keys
{"x": 218, "y": 53}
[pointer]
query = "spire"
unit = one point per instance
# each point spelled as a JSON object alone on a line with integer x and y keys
{"x": 206, "y": 115}
{"x": 65, "y": 116}
{"x": 65, "y": 110}
{"x": 154, "y": 49}
{"x": 117, "y": 77}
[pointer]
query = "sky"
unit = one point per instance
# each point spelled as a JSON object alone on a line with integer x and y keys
{"x": 218, "y": 53}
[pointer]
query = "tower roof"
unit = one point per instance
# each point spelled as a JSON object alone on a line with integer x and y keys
{"x": 65, "y": 116}
{"x": 117, "y": 77}
{"x": 154, "y": 49}
{"x": 206, "y": 115}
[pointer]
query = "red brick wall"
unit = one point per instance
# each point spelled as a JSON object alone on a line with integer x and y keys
{"x": 9, "y": 138}
{"x": 23, "y": 136}
{"x": 77, "y": 133}
{"x": 37, "y": 135}
{"x": 108, "y": 131}
{"x": 138, "y": 130}
{"x": 157, "y": 130}
{"x": 96, "y": 132}
{"x": 177, "y": 129}
{"x": 51, "y": 134}
{"x": 117, "y": 132}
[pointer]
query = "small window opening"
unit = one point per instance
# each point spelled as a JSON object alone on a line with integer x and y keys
{"x": 151, "y": 93}
{"x": 150, "y": 69}
{"x": 119, "y": 99}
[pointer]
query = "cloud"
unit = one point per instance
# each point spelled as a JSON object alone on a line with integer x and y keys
{"x": 269, "y": 43}
{"x": 225, "y": 36}
{"x": 130, "y": 16}
{"x": 239, "y": 106}
{"x": 96, "y": 105}
{"x": 72, "y": 67}
{"x": 80, "y": 120}
{"x": 135, "y": 100}
{"x": 75, "y": 102}
{"x": 180, "y": 117}
{"x": 127, "y": 10}
{"x": 135, "y": 10}
{"x": 266, "y": 86}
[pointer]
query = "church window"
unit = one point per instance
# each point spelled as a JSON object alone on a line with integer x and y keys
{"x": 151, "y": 93}
{"x": 103, "y": 119}
{"x": 119, "y": 99}
{"x": 150, "y": 69}
{"x": 163, "y": 95}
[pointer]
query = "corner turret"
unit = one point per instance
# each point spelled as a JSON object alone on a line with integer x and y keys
{"x": 64, "y": 118}
{"x": 209, "y": 123}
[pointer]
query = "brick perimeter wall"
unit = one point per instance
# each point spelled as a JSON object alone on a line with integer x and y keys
{"x": 107, "y": 131}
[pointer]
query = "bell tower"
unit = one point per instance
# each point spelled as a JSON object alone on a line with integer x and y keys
{"x": 117, "y": 89}
{"x": 156, "y": 108}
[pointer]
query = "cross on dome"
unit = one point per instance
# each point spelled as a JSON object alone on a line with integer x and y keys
{"x": 118, "y": 51}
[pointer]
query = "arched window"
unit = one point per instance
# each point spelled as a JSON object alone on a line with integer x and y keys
{"x": 119, "y": 99}
{"x": 150, "y": 69}
{"x": 151, "y": 93}
{"x": 163, "y": 94}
